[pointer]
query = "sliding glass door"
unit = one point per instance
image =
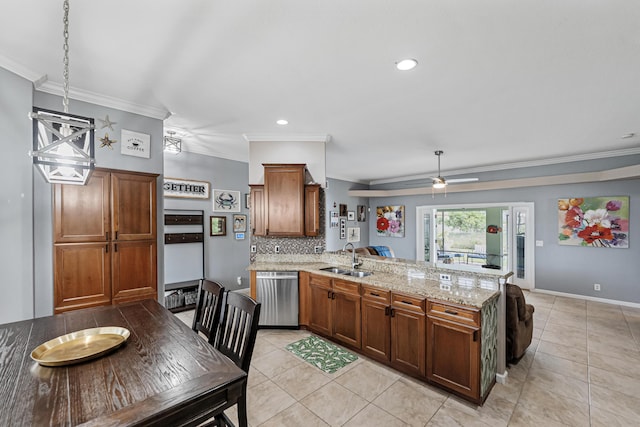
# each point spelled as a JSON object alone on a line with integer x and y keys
{"x": 496, "y": 237}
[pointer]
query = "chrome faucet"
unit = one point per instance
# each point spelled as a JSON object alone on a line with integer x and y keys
{"x": 354, "y": 261}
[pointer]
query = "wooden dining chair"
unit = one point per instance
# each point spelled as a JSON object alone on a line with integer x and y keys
{"x": 208, "y": 307}
{"x": 236, "y": 340}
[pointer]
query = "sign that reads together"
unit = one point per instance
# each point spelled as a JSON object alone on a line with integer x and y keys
{"x": 184, "y": 188}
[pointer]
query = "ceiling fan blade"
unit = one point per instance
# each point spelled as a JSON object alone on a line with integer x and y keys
{"x": 454, "y": 180}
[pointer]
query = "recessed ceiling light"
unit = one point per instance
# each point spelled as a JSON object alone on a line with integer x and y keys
{"x": 282, "y": 122}
{"x": 628, "y": 135}
{"x": 406, "y": 64}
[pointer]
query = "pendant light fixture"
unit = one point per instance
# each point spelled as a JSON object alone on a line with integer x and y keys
{"x": 63, "y": 143}
{"x": 172, "y": 144}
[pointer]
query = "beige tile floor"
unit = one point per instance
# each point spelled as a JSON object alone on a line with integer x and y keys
{"x": 582, "y": 369}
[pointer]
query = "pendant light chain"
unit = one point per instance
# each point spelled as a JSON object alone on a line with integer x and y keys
{"x": 65, "y": 73}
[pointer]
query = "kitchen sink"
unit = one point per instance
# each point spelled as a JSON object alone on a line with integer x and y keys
{"x": 359, "y": 273}
{"x": 335, "y": 270}
{"x": 354, "y": 273}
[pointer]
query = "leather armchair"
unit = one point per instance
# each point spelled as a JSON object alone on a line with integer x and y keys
{"x": 519, "y": 323}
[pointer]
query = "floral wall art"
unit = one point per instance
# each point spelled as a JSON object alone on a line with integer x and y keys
{"x": 594, "y": 221}
{"x": 390, "y": 221}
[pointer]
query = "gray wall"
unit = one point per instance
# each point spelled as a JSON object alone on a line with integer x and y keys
{"x": 337, "y": 193}
{"x": 16, "y": 199}
{"x": 105, "y": 158}
{"x": 225, "y": 257}
{"x": 558, "y": 268}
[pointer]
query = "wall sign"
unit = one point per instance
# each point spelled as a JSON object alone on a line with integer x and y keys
{"x": 135, "y": 144}
{"x": 185, "y": 188}
{"x": 226, "y": 201}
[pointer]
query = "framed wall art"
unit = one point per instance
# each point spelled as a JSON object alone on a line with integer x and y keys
{"x": 390, "y": 221}
{"x": 343, "y": 228}
{"x": 362, "y": 214}
{"x": 226, "y": 201}
{"x": 594, "y": 221}
{"x": 218, "y": 225}
{"x": 334, "y": 219}
{"x": 135, "y": 144}
{"x": 185, "y": 188}
{"x": 351, "y": 216}
{"x": 239, "y": 223}
{"x": 353, "y": 234}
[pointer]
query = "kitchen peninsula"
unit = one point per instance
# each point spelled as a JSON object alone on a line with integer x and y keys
{"x": 402, "y": 315}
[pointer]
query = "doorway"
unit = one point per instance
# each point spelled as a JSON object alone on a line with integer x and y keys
{"x": 479, "y": 237}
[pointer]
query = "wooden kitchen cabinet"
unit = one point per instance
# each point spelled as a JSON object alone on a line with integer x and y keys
{"x": 284, "y": 199}
{"x": 258, "y": 223}
{"x": 312, "y": 210}
{"x": 345, "y": 302}
{"x": 376, "y": 323}
{"x": 320, "y": 317}
{"x": 115, "y": 215}
{"x": 334, "y": 310}
{"x": 408, "y": 337}
{"x": 453, "y": 343}
{"x": 284, "y": 206}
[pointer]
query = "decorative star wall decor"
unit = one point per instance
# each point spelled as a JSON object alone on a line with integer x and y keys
{"x": 107, "y": 123}
{"x": 106, "y": 142}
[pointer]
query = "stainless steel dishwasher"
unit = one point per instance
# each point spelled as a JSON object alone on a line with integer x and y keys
{"x": 278, "y": 293}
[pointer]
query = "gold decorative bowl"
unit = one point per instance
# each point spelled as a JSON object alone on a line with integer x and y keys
{"x": 80, "y": 346}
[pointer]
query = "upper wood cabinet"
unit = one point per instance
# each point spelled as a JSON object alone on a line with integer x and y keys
{"x": 81, "y": 212}
{"x": 105, "y": 248}
{"x": 133, "y": 206}
{"x": 284, "y": 206}
{"x": 284, "y": 199}
{"x": 311, "y": 210}
{"x": 258, "y": 224}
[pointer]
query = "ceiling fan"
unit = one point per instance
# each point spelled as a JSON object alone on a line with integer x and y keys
{"x": 439, "y": 182}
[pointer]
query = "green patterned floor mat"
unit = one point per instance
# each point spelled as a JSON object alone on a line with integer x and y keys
{"x": 322, "y": 354}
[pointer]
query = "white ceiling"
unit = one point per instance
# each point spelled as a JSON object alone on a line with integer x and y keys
{"x": 498, "y": 81}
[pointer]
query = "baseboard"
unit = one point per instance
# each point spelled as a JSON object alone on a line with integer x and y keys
{"x": 502, "y": 378}
{"x": 585, "y": 297}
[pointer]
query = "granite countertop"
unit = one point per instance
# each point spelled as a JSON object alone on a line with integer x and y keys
{"x": 471, "y": 296}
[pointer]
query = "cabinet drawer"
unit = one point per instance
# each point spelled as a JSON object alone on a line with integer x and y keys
{"x": 346, "y": 287}
{"x": 322, "y": 281}
{"x": 457, "y": 313}
{"x": 408, "y": 302}
{"x": 376, "y": 294}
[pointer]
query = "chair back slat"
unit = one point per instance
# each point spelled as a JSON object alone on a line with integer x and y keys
{"x": 239, "y": 328}
{"x": 208, "y": 307}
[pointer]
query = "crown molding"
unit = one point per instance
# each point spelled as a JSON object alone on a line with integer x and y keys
{"x": 322, "y": 137}
{"x": 22, "y": 71}
{"x": 516, "y": 165}
{"x": 103, "y": 100}
{"x": 627, "y": 172}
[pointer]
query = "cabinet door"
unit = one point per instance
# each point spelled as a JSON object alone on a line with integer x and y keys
{"x": 258, "y": 224}
{"x": 453, "y": 356}
{"x": 376, "y": 330}
{"x": 134, "y": 271}
{"x": 81, "y": 212}
{"x": 284, "y": 199}
{"x": 311, "y": 210}
{"x": 82, "y": 276}
{"x": 320, "y": 309}
{"x": 346, "y": 318}
{"x": 305, "y": 298}
{"x": 133, "y": 206}
{"x": 408, "y": 341}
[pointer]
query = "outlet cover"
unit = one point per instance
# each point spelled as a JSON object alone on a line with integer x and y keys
{"x": 445, "y": 277}
{"x": 254, "y": 249}
{"x": 276, "y": 249}
{"x": 317, "y": 249}
{"x": 596, "y": 286}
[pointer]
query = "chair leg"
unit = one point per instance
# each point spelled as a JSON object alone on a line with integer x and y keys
{"x": 242, "y": 408}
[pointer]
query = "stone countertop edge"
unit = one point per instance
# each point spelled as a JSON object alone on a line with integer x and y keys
{"x": 474, "y": 297}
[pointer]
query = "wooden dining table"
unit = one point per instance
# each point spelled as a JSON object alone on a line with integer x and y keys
{"x": 165, "y": 374}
